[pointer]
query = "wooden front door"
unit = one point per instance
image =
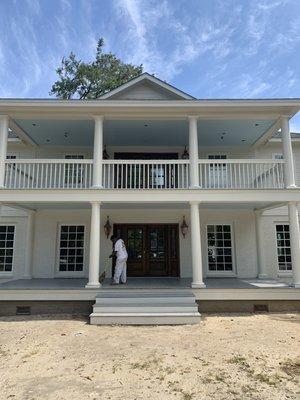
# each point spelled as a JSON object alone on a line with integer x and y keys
{"x": 153, "y": 249}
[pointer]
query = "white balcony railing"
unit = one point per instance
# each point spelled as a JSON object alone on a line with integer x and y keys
{"x": 143, "y": 174}
{"x": 48, "y": 174}
{"x": 150, "y": 174}
{"x": 241, "y": 174}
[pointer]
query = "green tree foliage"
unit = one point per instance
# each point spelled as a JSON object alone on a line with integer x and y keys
{"x": 90, "y": 80}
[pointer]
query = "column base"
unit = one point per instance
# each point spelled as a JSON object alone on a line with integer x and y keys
{"x": 198, "y": 285}
{"x": 97, "y": 187}
{"x": 93, "y": 285}
{"x": 292, "y": 186}
{"x": 262, "y": 276}
{"x": 296, "y": 285}
{"x": 195, "y": 187}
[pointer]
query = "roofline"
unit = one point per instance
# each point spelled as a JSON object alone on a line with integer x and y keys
{"x": 290, "y": 102}
{"x": 151, "y": 78}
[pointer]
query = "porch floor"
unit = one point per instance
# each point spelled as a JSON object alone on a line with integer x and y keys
{"x": 143, "y": 283}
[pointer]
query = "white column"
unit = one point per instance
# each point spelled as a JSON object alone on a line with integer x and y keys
{"x": 261, "y": 265}
{"x": 98, "y": 152}
{"x": 289, "y": 172}
{"x": 94, "y": 247}
{"x": 295, "y": 242}
{"x": 29, "y": 245}
{"x": 196, "y": 246}
{"x": 193, "y": 151}
{"x": 3, "y": 146}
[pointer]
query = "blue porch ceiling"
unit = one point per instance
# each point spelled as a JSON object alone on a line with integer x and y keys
{"x": 145, "y": 132}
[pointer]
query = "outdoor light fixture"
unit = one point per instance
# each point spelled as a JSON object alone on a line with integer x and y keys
{"x": 184, "y": 227}
{"x": 185, "y": 155}
{"x": 107, "y": 227}
{"x": 105, "y": 154}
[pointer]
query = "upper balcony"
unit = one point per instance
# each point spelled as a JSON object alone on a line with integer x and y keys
{"x": 144, "y": 174}
{"x": 64, "y": 142}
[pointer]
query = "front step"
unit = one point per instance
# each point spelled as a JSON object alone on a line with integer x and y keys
{"x": 144, "y": 308}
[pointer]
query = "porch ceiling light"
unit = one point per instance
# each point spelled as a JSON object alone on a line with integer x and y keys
{"x": 107, "y": 227}
{"x": 184, "y": 227}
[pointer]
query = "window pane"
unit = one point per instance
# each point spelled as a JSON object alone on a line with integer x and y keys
{"x": 71, "y": 250}
{"x": 219, "y": 251}
{"x": 283, "y": 247}
{"x": 6, "y": 247}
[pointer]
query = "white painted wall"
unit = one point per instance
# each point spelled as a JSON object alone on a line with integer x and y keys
{"x": 47, "y": 227}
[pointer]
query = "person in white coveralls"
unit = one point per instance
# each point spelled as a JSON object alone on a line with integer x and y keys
{"x": 120, "y": 252}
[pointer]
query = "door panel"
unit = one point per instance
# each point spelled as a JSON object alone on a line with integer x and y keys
{"x": 153, "y": 250}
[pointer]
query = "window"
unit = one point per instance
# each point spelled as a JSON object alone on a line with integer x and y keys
{"x": 219, "y": 248}
{"x": 7, "y": 237}
{"x": 71, "y": 248}
{"x": 278, "y": 156}
{"x": 283, "y": 247}
{"x": 73, "y": 172}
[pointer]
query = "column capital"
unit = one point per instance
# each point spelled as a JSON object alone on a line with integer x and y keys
{"x": 195, "y": 203}
{"x": 94, "y": 203}
{"x": 258, "y": 212}
{"x": 192, "y": 117}
{"x": 4, "y": 117}
{"x": 98, "y": 117}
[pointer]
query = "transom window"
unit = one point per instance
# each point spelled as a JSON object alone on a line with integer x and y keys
{"x": 7, "y": 237}
{"x": 71, "y": 248}
{"x": 219, "y": 248}
{"x": 283, "y": 247}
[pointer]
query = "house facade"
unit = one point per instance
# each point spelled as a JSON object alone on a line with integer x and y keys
{"x": 197, "y": 189}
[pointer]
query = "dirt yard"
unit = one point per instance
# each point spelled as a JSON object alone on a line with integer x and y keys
{"x": 224, "y": 357}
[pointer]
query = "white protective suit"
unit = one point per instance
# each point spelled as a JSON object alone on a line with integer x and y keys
{"x": 120, "y": 267}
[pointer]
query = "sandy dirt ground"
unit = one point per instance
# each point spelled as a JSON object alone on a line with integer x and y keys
{"x": 223, "y": 357}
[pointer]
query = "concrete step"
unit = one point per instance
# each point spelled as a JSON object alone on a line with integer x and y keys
{"x": 144, "y": 308}
{"x": 145, "y": 319}
{"x": 133, "y": 297}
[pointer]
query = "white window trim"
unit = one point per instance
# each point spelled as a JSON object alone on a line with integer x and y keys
{"x": 229, "y": 274}
{"x": 281, "y": 274}
{"x": 10, "y": 273}
{"x": 70, "y": 274}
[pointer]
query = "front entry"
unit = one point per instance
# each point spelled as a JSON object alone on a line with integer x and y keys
{"x": 153, "y": 250}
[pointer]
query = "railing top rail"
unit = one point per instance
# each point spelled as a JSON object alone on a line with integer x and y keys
{"x": 164, "y": 162}
{"x": 48, "y": 161}
{"x": 242, "y": 161}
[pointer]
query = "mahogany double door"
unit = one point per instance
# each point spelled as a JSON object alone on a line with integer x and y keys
{"x": 153, "y": 249}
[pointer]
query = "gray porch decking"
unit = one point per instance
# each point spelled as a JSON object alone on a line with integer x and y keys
{"x": 142, "y": 283}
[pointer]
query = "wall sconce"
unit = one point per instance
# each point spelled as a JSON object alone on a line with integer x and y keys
{"x": 107, "y": 227}
{"x": 184, "y": 227}
{"x": 185, "y": 155}
{"x": 105, "y": 154}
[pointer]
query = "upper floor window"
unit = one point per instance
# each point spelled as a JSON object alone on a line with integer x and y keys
{"x": 278, "y": 156}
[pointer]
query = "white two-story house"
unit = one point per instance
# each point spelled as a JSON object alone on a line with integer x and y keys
{"x": 200, "y": 191}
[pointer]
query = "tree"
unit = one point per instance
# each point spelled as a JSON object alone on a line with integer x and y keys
{"x": 90, "y": 80}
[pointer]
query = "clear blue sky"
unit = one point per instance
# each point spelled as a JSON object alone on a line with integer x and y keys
{"x": 209, "y": 48}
